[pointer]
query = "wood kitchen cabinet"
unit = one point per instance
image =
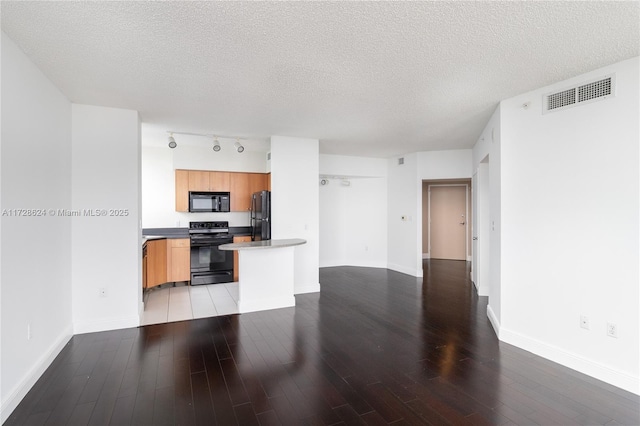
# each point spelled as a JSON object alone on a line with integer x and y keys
{"x": 144, "y": 268}
{"x": 178, "y": 260}
{"x": 156, "y": 263}
{"x": 238, "y": 239}
{"x": 198, "y": 180}
{"x": 166, "y": 260}
{"x": 240, "y": 185}
{"x": 202, "y": 180}
{"x": 220, "y": 181}
{"x": 240, "y": 195}
{"x": 258, "y": 182}
{"x": 243, "y": 185}
{"x": 182, "y": 190}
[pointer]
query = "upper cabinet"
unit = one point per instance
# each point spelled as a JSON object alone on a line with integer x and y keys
{"x": 220, "y": 181}
{"x": 240, "y": 195}
{"x": 258, "y": 182}
{"x": 202, "y": 180}
{"x": 198, "y": 181}
{"x": 240, "y": 185}
{"x": 243, "y": 185}
{"x": 182, "y": 190}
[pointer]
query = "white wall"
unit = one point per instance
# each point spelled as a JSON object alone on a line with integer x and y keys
{"x": 483, "y": 230}
{"x": 353, "y": 219}
{"x": 404, "y": 252}
{"x": 405, "y": 199}
{"x": 452, "y": 164}
{"x": 158, "y": 182}
{"x": 570, "y": 216}
{"x": 295, "y": 204}
{"x": 36, "y": 251}
{"x": 204, "y": 158}
{"x": 106, "y": 250}
{"x": 488, "y": 193}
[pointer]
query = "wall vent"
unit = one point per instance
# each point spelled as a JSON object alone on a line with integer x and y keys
{"x": 561, "y": 99}
{"x": 400, "y": 161}
{"x": 593, "y": 91}
{"x": 597, "y": 89}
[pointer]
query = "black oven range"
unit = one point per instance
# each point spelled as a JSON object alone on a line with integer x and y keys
{"x": 210, "y": 265}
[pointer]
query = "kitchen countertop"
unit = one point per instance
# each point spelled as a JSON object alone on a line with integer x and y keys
{"x": 149, "y": 234}
{"x": 146, "y": 238}
{"x": 257, "y": 245}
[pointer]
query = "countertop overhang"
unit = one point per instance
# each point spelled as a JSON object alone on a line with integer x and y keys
{"x": 268, "y": 244}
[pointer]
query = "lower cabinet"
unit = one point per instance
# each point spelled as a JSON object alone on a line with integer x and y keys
{"x": 238, "y": 239}
{"x": 166, "y": 260}
{"x": 156, "y": 263}
{"x": 144, "y": 267}
{"x": 178, "y": 260}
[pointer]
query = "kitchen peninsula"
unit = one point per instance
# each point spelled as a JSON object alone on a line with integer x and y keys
{"x": 266, "y": 273}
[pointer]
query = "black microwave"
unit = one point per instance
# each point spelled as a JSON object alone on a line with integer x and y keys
{"x": 205, "y": 202}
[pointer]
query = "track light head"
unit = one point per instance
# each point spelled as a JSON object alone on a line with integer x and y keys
{"x": 216, "y": 145}
{"x": 239, "y": 147}
{"x": 172, "y": 142}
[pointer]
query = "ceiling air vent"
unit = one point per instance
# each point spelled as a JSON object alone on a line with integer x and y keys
{"x": 592, "y": 91}
{"x": 400, "y": 161}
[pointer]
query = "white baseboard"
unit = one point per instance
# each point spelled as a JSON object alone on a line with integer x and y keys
{"x": 11, "y": 400}
{"x": 331, "y": 263}
{"x": 574, "y": 361}
{"x": 81, "y": 327}
{"x": 405, "y": 270}
{"x": 306, "y": 288}
{"x": 378, "y": 265}
{"x": 360, "y": 264}
{"x": 266, "y": 304}
{"x": 495, "y": 323}
{"x": 426, "y": 256}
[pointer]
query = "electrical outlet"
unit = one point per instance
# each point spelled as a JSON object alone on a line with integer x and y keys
{"x": 584, "y": 322}
{"x": 102, "y": 292}
{"x": 612, "y": 330}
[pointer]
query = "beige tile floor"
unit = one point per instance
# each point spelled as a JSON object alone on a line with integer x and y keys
{"x": 189, "y": 302}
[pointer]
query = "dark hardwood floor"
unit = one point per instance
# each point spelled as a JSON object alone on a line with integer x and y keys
{"x": 374, "y": 347}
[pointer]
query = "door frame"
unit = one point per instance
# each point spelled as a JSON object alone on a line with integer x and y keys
{"x": 466, "y": 215}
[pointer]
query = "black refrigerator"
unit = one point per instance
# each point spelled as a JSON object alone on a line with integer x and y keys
{"x": 261, "y": 216}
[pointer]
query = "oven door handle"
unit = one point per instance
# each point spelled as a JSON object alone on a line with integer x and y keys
{"x": 210, "y": 243}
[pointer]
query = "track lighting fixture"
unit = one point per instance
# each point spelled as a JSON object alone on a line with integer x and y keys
{"x": 216, "y": 144}
{"x": 172, "y": 141}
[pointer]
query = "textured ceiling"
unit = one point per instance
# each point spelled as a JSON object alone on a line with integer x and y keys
{"x": 366, "y": 78}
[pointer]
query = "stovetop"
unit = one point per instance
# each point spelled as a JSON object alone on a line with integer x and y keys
{"x": 208, "y": 227}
